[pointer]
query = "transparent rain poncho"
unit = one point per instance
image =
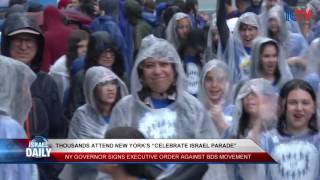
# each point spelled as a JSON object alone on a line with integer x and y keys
{"x": 184, "y": 118}
{"x": 220, "y": 70}
{"x": 171, "y": 31}
{"x": 266, "y": 119}
{"x": 219, "y": 80}
{"x": 59, "y": 72}
{"x": 11, "y": 129}
{"x": 193, "y": 121}
{"x": 267, "y": 100}
{"x": 235, "y": 54}
{"x": 313, "y": 70}
{"x": 87, "y": 122}
{"x": 212, "y": 52}
{"x": 294, "y": 44}
{"x": 256, "y": 71}
{"x": 15, "y": 103}
{"x": 15, "y": 81}
{"x": 313, "y": 65}
{"x": 312, "y": 57}
{"x": 291, "y": 24}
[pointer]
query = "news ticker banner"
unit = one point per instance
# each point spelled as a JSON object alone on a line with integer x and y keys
{"x": 42, "y": 150}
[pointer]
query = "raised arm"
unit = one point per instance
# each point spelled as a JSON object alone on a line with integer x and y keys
{"x": 222, "y": 23}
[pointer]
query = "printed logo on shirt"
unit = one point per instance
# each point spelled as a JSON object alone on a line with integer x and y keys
{"x": 38, "y": 148}
{"x": 193, "y": 76}
{"x": 245, "y": 65}
{"x": 298, "y": 160}
{"x": 159, "y": 123}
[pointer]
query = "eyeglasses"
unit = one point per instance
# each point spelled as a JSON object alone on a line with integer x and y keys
{"x": 29, "y": 41}
{"x": 108, "y": 51}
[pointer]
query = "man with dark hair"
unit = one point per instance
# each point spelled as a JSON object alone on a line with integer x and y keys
{"x": 127, "y": 171}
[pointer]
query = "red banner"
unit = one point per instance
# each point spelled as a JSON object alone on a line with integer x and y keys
{"x": 221, "y": 157}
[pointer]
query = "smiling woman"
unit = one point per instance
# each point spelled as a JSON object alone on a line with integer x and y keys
{"x": 214, "y": 92}
{"x": 268, "y": 62}
{"x": 158, "y": 95}
{"x": 296, "y": 139}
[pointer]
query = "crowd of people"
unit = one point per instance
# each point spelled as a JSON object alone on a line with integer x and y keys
{"x": 124, "y": 69}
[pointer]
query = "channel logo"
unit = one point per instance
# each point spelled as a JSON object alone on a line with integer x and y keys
{"x": 38, "y": 148}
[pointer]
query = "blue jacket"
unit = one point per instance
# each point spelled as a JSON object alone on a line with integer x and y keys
{"x": 107, "y": 23}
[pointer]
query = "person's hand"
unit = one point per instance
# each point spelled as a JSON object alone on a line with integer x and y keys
{"x": 204, "y": 16}
{"x": 296, "y": 61}
{"x": 216, "y": 111}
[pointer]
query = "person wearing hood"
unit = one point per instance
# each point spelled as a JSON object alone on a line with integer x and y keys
{"x": 102, "y": 51}
{"x": 15, "y": 103}
{"x": 191, "y": 54}
{"x": 107, "y": 21}
{"x": 236, "y": 46}
{"x": 158, "y": 95}
{"x": 23, "y": 40}
{"x": 141, "y": 29}
{"x": 294, "y": 43}
{"x": 15, "y": 96}
{"x": 56, "y": 36}
{"x": 290, "y": 22}
{"x": 213, "y": 50}
{"x": 102, "y": 89}
{"x": 178, "y": 29}
{"x": 295, "y": 143}
{"x": 268, "y": 62}
{"x": 215, "y": 91}
{"x": 313, "y": 65}
{"x": 255, "y": 113}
